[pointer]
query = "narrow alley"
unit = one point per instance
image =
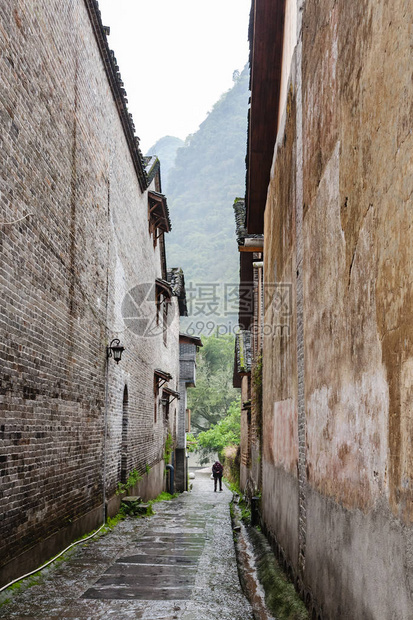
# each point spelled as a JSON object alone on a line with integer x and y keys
{"x": 237, "y": 284}
{"x": 178, "y": 564}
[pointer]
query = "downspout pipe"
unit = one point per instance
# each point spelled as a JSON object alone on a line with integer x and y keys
{"x": 171, "y": 478}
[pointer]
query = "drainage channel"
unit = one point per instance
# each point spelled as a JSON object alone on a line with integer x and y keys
{"x": 247, "y": 569}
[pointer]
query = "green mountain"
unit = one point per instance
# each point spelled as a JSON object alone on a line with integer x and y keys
{"x": 209, "y": 173}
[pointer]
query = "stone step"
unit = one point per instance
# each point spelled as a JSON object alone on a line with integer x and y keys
{"x": 131, "y": 499}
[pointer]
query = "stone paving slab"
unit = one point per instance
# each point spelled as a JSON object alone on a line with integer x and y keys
{"x": 155, "y": 580}
{"x": 142, "y": 593}
{"x": 176, "y": 565}
{"x": 147, "y": 571}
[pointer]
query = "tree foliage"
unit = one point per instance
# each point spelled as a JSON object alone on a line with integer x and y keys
{"x": 209, "y": 401}
{"x": 225, "y": 433}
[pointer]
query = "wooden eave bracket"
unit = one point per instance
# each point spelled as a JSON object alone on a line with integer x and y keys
{"x": 171, "y": 393}
{"x": 158, "y": 211}
{"x": 161, "y": 375}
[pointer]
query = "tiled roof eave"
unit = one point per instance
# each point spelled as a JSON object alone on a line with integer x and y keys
{"x": 118, "y": 92}
{"x": 159, "y": 208}
{"x": 152, "y": 167}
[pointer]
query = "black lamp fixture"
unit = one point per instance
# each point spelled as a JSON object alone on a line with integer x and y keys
{"x": 115, "y": 350}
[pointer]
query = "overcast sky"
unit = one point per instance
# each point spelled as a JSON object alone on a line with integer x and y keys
{"x": 176, "y": 58}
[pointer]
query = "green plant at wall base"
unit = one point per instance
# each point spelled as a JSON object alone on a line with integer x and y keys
{"x": 111, "y": 522}
{"x": 164, "y": 497}
{"x": 7, "y": 596}
{"x": 135, "y": 509}
{"x": 233, "y": 486}
{"x": 150, "y": 511}
{"x": 133, "y": 478}
{"x": 139, "y": 509}
{"x": 257, "y": 393}
{"x": 168, "y": 448}
{"x": 245, "y": 512}
{"x": 147, "y": 468}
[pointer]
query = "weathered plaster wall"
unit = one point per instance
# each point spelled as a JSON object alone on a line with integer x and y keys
{"x": 358, "y": 189}
{"x": 347, "y": 393}
{"x": 354, "y": 527}
{"x": 280, "y": 383}
{"x": 358, "y": 565}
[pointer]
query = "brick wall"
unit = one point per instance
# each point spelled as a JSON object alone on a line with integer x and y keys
{"x": 66, "y": 266}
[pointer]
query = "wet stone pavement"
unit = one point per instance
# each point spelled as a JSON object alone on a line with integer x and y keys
{"x": 178, "y": 564}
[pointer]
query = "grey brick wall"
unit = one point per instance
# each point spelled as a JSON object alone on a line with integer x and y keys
{"x": 187, "y": 369}
{"x": 66, "y": 168}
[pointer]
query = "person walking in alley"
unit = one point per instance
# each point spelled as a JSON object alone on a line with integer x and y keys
{"x": 217, "y": 471}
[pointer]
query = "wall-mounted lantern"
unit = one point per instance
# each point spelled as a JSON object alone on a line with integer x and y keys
{"x": 115, "y": 350}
